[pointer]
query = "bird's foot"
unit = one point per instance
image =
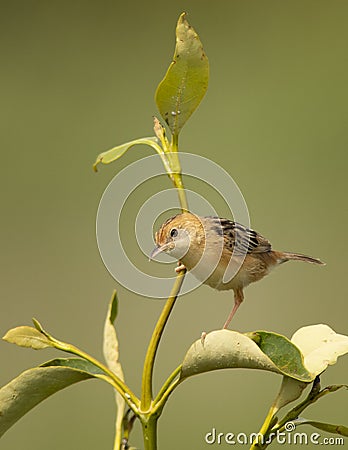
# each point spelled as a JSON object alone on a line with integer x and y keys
{"x": 203, "y": 336}
{"x": 180, "y": 267}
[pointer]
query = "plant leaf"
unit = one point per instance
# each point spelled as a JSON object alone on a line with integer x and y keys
{"x": 34, "y": 385}
{"x": 290, "y": 390}
{"x": 186, "y": 81}
{"x": 29, "y": 337}
{"x": 285, "y": 355}
{"x": 225, "y": 349}
{"x": 314, "y": 395}
{"x": 111, "y": 355}
{"x": 320, "y": 345}
{"x": 74, "y": 363}
{"x": 116, "y": 152}
{"x": 330, "y": 428}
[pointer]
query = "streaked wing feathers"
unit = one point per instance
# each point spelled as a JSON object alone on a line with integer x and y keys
{"x": 240, "y": 239}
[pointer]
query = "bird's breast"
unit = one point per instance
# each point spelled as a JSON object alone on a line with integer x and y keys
{"x": 224, "y": 272}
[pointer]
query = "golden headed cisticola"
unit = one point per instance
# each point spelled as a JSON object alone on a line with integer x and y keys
{"x": 221, "y": 253}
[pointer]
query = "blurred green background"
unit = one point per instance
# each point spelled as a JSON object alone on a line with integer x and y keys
{"x": 77, "y": 78}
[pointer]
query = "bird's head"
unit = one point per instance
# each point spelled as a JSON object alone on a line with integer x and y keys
{"x": 178, "y": 235}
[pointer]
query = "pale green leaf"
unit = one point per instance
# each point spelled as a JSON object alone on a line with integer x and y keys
{"x": 290, "y": 390}
{"x": 116, "y": 152}
{"x": 289, "y": 387}
{"x": 29, "y": 337}
{"x": 320, "y": 345}
{"x": 111, "y": 355}
{"x": 34, "y": 385}
{"x": 225, "y": 349}
{"x": 186, "y": 81}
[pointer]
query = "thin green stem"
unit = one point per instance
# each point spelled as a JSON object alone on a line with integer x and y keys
{"x": 130, "y": 398}
{"x": 118, "y": 436}
{"x": 258, "y": 443}
{"x": 175, "y": 142}
{"x": 163, "y": 400}
{"x": 146, "y": 391}
{"x": 181, "y": 191}
{"x": 167, "y": 383}
{"x": 149, "y": 425}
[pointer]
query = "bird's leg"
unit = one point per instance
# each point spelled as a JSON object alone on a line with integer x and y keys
{"x": 238, "y": 298}
{"x": 180, "y": 267}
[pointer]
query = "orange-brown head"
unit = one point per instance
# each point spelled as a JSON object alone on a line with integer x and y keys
{"x": 178, "y": 234}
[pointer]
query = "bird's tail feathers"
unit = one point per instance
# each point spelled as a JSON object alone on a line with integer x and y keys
{"x": 287, "y": 256}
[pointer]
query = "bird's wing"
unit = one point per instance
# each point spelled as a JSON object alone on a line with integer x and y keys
{"x": 240, "y": 239}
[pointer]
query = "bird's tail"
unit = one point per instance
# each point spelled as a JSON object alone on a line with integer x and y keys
{"x": 287, "y": 256}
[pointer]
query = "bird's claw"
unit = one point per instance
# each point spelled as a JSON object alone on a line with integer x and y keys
{"x": 203, "y": 336}
{"x": 180, "y": 268}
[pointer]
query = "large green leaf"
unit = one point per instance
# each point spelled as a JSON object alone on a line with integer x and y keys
{"x": 34, "y": 385}
{"x": 186, "y": 81}
{"x": 225, "y": 349}
{"x": 111, "y": 355}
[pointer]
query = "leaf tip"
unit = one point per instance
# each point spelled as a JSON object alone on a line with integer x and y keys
{"x": 113, "y": 308}
{"x": 182, "y": 17}
{"x": 95, "y": 168}
{"x": 5, "y": 336}
{"x": 37, "y": 324}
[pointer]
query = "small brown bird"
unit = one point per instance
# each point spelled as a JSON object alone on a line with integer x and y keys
{"x": 221, "y": 253}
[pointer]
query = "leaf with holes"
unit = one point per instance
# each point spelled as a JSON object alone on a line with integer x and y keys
{"x": 186, "y": 81}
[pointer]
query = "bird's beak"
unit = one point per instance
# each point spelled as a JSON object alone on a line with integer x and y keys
{"x": 160, "y": 249}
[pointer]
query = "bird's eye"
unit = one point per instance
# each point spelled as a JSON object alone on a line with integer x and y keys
{"x": 173, "y": 232}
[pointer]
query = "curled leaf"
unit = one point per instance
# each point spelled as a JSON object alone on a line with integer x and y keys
{"x": 285, "y": 355}
{"x": 290, "y": 390}
{"x": 225, "y": 349}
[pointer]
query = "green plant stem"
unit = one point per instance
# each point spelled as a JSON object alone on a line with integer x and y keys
{"x": 163, "y": 400}
{"x": 130, "y": 398}
{"x": 149, "y": 425}
{"x": 167, "y": 383}
{"x": 175, "y": 143}
{"x": 118, "y": 436}
{"x": 146, "y": 391}
{"x": 181, "y": 191}
{"x": 264, "y": 429}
